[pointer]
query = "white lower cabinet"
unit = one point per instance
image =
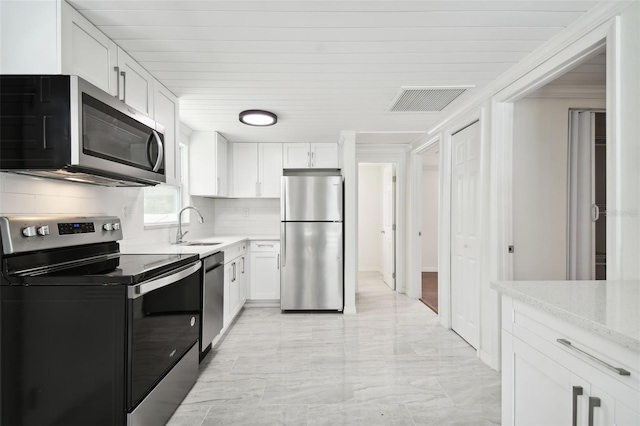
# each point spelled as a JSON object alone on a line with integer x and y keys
{"x": 265, "y": 270}
{"x": 546, "y": 382}
{"x": 234, "y": 281}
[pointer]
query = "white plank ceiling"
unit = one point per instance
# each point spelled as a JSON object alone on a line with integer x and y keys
{"x": 323, "y": 66}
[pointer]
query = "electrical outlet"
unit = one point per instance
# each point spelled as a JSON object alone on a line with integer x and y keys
{"x": 127, "y": 211}
{"x": 245, "y": 212}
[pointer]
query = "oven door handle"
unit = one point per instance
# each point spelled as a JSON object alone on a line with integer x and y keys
{"x": 165, "y": 280}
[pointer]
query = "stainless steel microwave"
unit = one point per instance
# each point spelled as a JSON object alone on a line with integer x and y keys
{"x": 63, "y": 127}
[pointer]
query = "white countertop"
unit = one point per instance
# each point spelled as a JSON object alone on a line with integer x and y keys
{"x": 608, "y": 308}
{"x": 203, "y": 251}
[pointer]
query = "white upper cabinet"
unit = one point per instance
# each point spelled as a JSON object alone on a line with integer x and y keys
{"x": 87, "y": 52}
{"x": 256, "y": 169}
{"x": 310, "y": 156}
{"x": 165, "y": 107}
{"x": 245, "y": 169}
{"x": 296, "y": 155}
{"x": 135, "y": 84}
{"x": 208, "y": 164}
{"x": 270, "y": 169}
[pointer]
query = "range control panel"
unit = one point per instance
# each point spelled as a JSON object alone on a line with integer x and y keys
{"x": 29, "y": 233}
{"x": 76, "y": 228}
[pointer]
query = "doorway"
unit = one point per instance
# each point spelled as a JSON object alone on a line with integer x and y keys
{"x": 429, "y": 227}
{"x": 377, "y": 220}
{"x": 554, "y": 159}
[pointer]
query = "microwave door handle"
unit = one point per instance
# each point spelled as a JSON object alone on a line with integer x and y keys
{"x": 156, "y": 166}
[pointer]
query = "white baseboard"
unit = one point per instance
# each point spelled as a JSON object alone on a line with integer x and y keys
{"x": 429, "y": 269}
{"x": 262, "y": 303}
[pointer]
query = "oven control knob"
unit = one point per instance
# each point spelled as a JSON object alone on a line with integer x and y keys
{"x": 116, "y": 226}
{"x": 193, "y": 321}
{"x": 29, "y": 231}
{"x": 107, "y": 227}
{"x": 43, "y": 230}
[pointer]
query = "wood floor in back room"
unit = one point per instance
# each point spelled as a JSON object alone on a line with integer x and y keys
{"x": 430, "y": 290}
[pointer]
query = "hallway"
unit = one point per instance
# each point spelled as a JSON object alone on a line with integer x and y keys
{"x": 391, "y": 364}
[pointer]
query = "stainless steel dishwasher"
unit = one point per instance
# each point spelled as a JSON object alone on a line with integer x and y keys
{"x": 212, "y": 300}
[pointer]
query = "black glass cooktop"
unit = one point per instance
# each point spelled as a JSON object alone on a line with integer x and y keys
{"x": 115, "y": 269}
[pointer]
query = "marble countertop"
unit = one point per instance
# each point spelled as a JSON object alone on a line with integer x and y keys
{"x": 608, "y": 308}
{"x": 203, "y": 251}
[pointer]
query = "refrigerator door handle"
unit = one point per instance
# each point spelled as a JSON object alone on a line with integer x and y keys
{"x": 283, "y": 244}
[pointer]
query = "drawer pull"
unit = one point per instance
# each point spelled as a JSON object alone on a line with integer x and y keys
{"x": 577, "y": 391}
{"x": 593, "y": 403}
{"x": 620, "y": 371}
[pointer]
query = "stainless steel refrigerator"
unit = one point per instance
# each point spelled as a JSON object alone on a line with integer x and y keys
{"x": 311, "y": 236}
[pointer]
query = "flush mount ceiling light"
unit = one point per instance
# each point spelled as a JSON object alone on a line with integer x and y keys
{"x": 257, "y": 117}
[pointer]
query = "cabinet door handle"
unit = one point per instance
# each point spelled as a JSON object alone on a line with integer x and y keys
{"x": 312, "y": 160}
{"x": 278, "y": 265}
{"x": 117, "y": 70}
{"x": 233, "y": 272}
{"x": 265, "y": 245}
{"x": 593, "y": 403}
{"x": 124, "y": 85}
{"x": 217, "y": 186}
{"x": 243, "y": 264}
{"x": 577, "y": 391}
{"x": 620, "y": 371}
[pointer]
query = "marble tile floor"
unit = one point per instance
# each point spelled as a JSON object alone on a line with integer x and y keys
{"x": 391, "y": 364}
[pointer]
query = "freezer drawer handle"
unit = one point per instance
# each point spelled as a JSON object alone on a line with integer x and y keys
{"x": 620, "y": 371}
{"x": 165, "y": 280}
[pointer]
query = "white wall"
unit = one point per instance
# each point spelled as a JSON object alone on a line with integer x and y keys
{"x": 430, "y": 219}
{"x": 540, "y": 167}
{"x": 370, "y": 217}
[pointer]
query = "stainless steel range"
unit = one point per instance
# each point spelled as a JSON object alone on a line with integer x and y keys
{"x": 89, "y": 336}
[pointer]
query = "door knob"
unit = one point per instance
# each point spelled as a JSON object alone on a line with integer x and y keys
{"x": 382, "y": 232}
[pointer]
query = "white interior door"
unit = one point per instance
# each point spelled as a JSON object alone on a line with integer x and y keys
{"x": 388, "y": 226}
{"x": 465, "y": 221}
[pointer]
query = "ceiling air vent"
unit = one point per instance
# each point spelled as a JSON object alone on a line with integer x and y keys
{"x": 425, "y": 99}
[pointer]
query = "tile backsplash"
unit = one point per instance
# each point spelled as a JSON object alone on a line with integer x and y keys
{"x": 247, "y": 216}
{"x": 32, "y": 195}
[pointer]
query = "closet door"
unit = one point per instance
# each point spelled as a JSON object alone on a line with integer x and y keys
{"x": 465, "y": 218}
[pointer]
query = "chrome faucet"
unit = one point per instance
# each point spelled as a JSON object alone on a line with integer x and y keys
{"x": 180, "y": 235}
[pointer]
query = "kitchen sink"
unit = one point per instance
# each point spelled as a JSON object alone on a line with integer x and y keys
{"x": 198, "y": 243}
